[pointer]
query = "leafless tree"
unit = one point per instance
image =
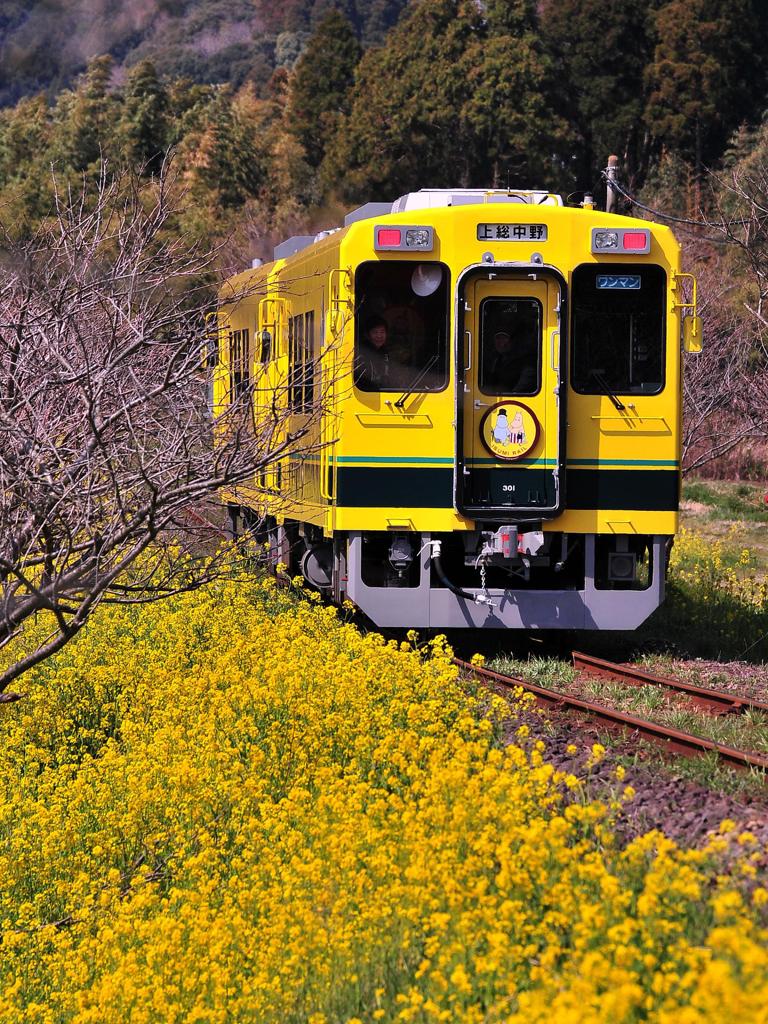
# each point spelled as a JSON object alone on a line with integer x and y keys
{"x": 724, "y": 387}
{"x": 725, "y": 390}
{"x": 741, "y": 216}
{"x": 106, "y": 435}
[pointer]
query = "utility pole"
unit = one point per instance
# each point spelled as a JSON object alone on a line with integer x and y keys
{"x": 611, "y": 175}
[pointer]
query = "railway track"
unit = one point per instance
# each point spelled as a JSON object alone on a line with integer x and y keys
{"x": 717, "y": 701}
{"x": 673, "y": 740}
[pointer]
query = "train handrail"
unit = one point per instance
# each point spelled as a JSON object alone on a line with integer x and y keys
{"x": 334, "y": 296}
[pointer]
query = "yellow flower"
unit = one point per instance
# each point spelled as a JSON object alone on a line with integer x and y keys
{"x": 235, "y": 806}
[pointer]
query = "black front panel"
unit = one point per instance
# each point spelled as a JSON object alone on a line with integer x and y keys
{"x": 643, "y": 490}
{"x": 512, "y": 486}
{"x": 394, "y": 487}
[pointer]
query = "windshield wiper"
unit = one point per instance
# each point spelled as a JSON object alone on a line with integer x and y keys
{"x": 597, "y": 375}
{"x": 404, "y": 397}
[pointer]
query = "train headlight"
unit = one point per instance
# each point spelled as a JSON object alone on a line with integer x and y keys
{"x": 631, "y": 240}
{"x": 417, "y": 238}
{"x": 411, "y": 237}
{"x": 603, "y": 240}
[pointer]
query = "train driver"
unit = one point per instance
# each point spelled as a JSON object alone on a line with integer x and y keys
{"x": 380, "y": 363}
{"x": 510, "y": 367}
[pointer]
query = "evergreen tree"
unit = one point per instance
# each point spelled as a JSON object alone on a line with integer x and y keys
{"x": 89, "y": 116}
{"x": 321, "y": 84}
{"x": 24, "y": 136}
{"x": 144, "y": 124}
{"x": 458, "y": 96}
{"x": 508, "y": 118}
{"x": 187, "y": 107}
{"x": 348, "y": 9}
{"x": 601, "y": 51}
{"x": 378, "y": 18}
{"x": 515, "y": 17}
{"x": 706, "y": 77}
{"x": 222, "y": 155}
{"x": 25, "y": 139}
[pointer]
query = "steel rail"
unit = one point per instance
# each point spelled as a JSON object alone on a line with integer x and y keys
{"x": 671, "y": 739}
{"x": 212, "y": 527}
{"x": 710, "y": 699}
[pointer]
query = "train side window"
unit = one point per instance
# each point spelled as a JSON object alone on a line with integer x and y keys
{"x": 265, "y": 349}
{"x": 239, "y": 356}
{"x": 296, "y": 362}
{"x": 309, "y": 361}
{"x": 210, "y": 354}
{"x": 246, "y": 357}
{"x": 301, "y": 355}
{"x": 401, "y": 326}
{"x": 619, "y": 329}
{"x": 291, "y": 358}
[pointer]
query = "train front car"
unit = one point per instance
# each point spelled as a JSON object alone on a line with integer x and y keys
{"x": 512, "y": 461}
{"x": 504, "y": 427}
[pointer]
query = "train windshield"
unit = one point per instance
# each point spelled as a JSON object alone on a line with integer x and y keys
{"x": 401, "y": 326}
{"x": 618, "y": 329}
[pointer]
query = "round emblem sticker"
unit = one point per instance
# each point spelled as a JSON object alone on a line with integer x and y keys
{"x": 509, "y": 430}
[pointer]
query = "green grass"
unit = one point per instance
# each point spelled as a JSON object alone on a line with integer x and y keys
{"x": 644, "y": 701}
{"x": 746, "y": 731}
{"x": 727, "y": 500}
{"x": 551, "y": 672}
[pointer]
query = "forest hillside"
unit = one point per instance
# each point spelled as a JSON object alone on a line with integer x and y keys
{"x": 276, "y": 119}
{"x": 277, "y": 112}
{"x": 46, "y": 44}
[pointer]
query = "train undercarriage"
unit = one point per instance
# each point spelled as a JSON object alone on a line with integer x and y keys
{"x": 493, "y": 577}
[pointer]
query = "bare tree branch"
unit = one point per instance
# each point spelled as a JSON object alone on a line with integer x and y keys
{"x": 106, "y": 440}
{"x": 725, "y": 387}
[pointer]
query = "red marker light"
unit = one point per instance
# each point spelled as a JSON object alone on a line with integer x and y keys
{"x": 635, "y": 239}
{"x": 389, "y": 236}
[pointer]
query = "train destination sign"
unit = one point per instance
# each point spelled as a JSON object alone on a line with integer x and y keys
{"x": 512, "y": 232}
{"x": 619, "y": 282}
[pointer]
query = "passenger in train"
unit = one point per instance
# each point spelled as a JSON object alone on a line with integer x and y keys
{"x": 511, "y": 368}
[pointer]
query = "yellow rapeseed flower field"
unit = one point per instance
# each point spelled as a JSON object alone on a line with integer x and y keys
{"x": 233, "y": 806}
{"x": 718, "y": 597}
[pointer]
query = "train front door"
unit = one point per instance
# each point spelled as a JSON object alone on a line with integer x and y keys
{"x": 510, "y": 438}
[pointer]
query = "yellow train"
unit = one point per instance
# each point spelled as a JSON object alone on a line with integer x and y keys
{"x": 491, "y": 384}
